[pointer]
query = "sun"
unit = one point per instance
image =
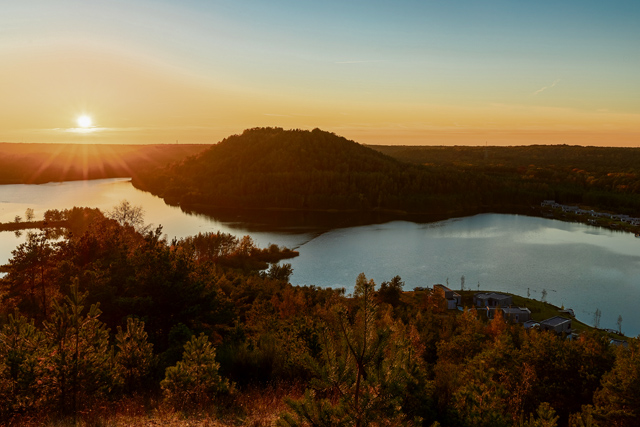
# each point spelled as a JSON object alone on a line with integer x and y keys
{"x": 84, "y": 121}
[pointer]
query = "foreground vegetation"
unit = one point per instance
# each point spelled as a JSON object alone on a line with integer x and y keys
{"x": 113, "y": 325}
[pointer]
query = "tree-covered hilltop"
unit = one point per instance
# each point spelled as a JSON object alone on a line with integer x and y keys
{"x": 272, "y": 168}
{"x": 107, "y": 323}
{"x": 306, "y": 170}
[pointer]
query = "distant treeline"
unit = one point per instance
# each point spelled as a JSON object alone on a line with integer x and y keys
{"x": 604, "y": 177}
{"x": 272, "y": 168}
{"x": 40, "y": 163}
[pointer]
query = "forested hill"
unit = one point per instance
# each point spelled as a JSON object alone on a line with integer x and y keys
{"x": 272, "y": 168}
{"x": 309, "y": 170}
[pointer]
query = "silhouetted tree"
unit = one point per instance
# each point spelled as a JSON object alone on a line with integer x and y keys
{"x": 596, "y": 318}
{"x": 127, "y": 214}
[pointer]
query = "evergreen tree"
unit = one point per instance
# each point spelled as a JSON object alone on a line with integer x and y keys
{"x": 20, "y": 342}
{"x": 134, "y": 358}
{"x": 545, "y": 417}
{"x": 77, "y": 363}
{"x": 194, "y": 381}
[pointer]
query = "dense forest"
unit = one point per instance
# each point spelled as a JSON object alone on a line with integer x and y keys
{"x": 272, "y": 168}
{"x": 41, "y": 163}
{"x": 102, "y": 321}
{"x": 603, "y": 177}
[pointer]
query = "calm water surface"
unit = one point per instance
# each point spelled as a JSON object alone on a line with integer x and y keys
{"x": 579, "y": 266}
{"x": 107, "y": 193}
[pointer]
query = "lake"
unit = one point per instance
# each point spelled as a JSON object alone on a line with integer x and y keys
{"x": 580, "y": 266}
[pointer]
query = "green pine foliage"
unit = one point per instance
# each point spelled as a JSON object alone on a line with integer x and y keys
{"x": 545, "y": 417}
{"x": 20, "y": 342}
{"x": 77, "y": 361}
{"x": 134, "y": 358}
{"x": 194, "y": 381}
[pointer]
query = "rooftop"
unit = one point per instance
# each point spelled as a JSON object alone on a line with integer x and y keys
{"x": 494, "y": 295}
{"x": 555, "y": 321}
{"x": 515, "y": 310}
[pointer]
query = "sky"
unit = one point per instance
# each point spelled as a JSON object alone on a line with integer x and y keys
{"x": 455, "y": 72}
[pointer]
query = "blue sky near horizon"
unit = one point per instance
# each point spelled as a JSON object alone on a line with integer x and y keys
{"x": 411, "y": 72}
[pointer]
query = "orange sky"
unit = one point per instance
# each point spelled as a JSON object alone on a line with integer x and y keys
{"x": 391, "y": 73}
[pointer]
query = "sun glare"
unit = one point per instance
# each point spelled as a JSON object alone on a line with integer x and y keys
{"x": 84, "y": 121}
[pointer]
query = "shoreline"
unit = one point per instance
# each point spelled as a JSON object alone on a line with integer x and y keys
{"x": 28, "y": 225}
{"x": 587, "y": 219}
{"x": 541, "y": 310}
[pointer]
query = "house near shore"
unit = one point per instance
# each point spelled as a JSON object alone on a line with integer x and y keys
{"x": 558, "y": 324}
{"x": 516, "y": 314}
{"x": 550, "y": 203}
{"x": 576, "y": 210}
{"x": 452, "y": 298}
{"x": 509, "y": 314}
{"x": 492, "y": 299}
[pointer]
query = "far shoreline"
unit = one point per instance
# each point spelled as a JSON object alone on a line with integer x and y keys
{"x": 342, "y": 218}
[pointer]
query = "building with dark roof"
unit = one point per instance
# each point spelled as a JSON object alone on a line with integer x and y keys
{"x": 558, "y": 324}
{"x": 516, "y": 314}
{"x": 452, "y": 298}
{"x": 492, "y": 299}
